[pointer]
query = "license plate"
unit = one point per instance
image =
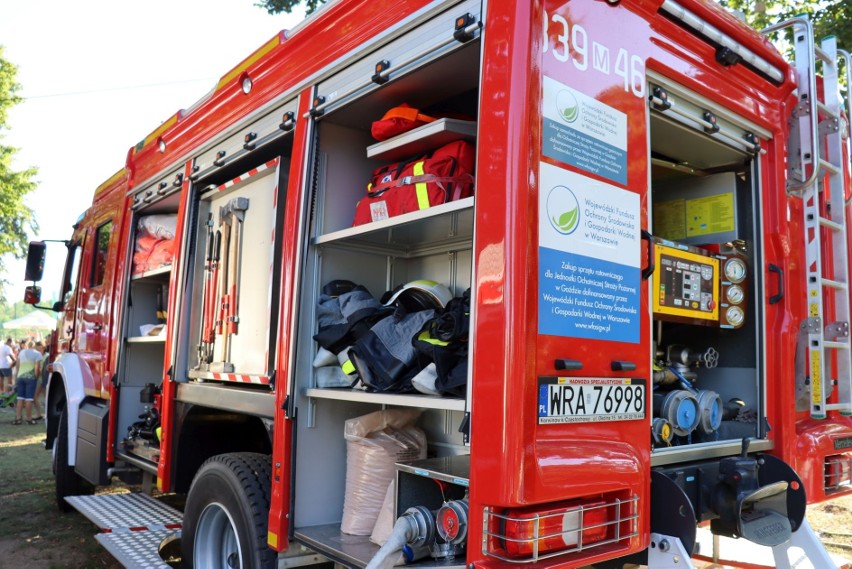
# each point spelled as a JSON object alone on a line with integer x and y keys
{"x": 590, "y": 400}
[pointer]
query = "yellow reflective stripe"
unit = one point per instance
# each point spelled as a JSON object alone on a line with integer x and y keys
{"x": 420, "y": 187}
{"x": 348, "y": 367}
{"x": 426, "y": 337}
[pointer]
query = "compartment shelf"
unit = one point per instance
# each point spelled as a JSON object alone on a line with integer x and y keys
{"x": 397, "y": 399}
{"x": 423, "y": 139}
{"x": 442, "y": 226}
{"x": 146, "y": 339}
{"x": 164, "y": 271}
{"x": 357, "y": 550}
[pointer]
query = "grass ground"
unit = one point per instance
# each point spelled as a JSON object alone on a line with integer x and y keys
{"x": 34, "y": 534}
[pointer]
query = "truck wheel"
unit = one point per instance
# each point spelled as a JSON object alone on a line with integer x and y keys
{"x": 226, "y": 514}
{"x": 68, "y": 482}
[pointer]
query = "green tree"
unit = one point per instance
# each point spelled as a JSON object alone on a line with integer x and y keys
{"x": 278, "y": 6}
{"x": 16, "y": 217}
{"x": 830, "y": 17}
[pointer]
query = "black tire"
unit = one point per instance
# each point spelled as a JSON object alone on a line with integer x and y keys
{"x": 68, "y": 482}
{"x": 226, "y": 514}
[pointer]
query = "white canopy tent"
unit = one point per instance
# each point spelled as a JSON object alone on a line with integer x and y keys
{"x": 36, "y": 320}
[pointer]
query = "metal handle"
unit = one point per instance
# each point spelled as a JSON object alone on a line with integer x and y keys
{"x": 568, "y": 365}
{"x": 649, "y": 270}
{"x": 776, "y": 298}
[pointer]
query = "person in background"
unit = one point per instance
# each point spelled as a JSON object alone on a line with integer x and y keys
{"x": 28, "y": 368}
{"x": 7, "y": 360}
{"x": 41, "y": 380}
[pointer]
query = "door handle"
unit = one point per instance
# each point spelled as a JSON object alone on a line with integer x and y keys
{"x": 97, "y": 327}
{"x": 779, "y": 272}
{"x": 649, "y": 270}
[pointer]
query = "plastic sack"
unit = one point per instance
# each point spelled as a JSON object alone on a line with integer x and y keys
{"x": 154, "y": 248}
{"x": 374, "y": 444}
{"x": 386, "y": 519}
{"x": 159, "y": 226}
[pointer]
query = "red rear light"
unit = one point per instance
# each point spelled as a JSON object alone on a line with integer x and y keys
{"x": 529, "y": 532}
{"x": 838, "y": 473}
{"x": 534, "y": 533}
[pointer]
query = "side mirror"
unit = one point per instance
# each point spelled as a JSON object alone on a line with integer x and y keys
{"x": 35, "y": 261}
{"x": 32, "y": 294}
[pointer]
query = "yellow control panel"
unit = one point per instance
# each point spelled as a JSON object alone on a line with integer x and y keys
{"x": 686, "y": 284}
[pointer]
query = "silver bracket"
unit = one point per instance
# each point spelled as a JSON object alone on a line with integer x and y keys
{"x": 667, "y": 552}
{"x": 829, "y": 126}
{"x": 814, "y": 324}
{"x": 837, "y": 330}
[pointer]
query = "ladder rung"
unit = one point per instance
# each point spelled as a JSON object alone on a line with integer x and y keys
{"x": 833, "y": 284}
{"x": 838, "y": 407}
{"x": 827, "y": 110}
{"x": 822, "y": 55}
{"x": 833, "y": 225}
{"x": 836, "y": 345}
{"x": 829, "y": 166}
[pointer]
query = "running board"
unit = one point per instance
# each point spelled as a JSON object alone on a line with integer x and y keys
{"x": 133, "y": 526}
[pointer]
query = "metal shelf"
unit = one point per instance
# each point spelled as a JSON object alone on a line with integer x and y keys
{"x": 423, "y": 139}
{"x": 146, "y": 339}
{"x": 356, "y": 550}
{"x": 443, "y": 226}
{"x": 397, "y": 399}
{"x": 159, "y": 272}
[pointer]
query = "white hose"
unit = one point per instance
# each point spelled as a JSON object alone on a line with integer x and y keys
{"x": 385, "y": 557}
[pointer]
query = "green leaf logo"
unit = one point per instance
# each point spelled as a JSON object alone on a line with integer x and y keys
{"x": 563, "y": 210}
{"x": 567, "y": 106}
{"x": 570, "y": 114}
{"x": 568, "y": 220}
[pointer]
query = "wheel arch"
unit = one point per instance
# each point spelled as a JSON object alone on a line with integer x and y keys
{"x": 65, "y": 387}
{"x": 205, "y": 432}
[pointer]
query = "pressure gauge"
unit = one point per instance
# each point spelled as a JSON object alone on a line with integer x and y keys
{"x": 735, "y": 316}
{"x": 735, "y": 294}
{"x": 735, "y": 270}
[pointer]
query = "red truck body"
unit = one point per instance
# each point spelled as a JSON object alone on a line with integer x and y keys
{"x": 647, "y": 114}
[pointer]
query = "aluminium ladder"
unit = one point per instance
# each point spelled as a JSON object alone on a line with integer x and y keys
{"x": 816, "y": 168}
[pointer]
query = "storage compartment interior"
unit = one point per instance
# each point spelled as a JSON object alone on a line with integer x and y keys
{"x": 433, "y": 243}
{"x": 707, "y": 372}
{"x": 151, "y": 255}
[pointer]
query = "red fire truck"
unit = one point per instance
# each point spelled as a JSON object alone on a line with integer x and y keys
{"x": 655, "y": 337}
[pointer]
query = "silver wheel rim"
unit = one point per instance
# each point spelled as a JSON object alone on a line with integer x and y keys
{"x": 216, "y": 543}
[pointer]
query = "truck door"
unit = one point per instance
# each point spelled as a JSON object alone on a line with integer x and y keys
{"x": 68, "y": 300}
{"x": 91, "y": 342}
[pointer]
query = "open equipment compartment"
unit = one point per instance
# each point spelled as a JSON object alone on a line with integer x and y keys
{"x": 433, "y": 244}
{"x": 141, "y": 370}
{"x": 709, "y": 375}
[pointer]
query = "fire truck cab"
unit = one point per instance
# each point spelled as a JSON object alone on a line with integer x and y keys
{"x": 658, "y": 303}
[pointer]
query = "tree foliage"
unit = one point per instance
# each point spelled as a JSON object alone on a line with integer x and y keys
{"x": 830, "y": 17}
{"x": 278, "y": 6}
{"x": 16, "y": 217}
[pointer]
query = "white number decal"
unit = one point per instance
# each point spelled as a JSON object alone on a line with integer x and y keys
{"x": 562, "y": 40}
{"x": 573, "y": 43}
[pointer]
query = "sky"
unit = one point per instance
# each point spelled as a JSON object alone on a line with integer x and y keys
{"x": 98, "y": 76}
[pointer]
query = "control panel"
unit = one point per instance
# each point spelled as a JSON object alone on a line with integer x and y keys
{"x": 696, "y": 286}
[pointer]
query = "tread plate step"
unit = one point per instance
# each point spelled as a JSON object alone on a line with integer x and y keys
{"x": 136, "y": 549}
{"x": 133, "y": 526}
{"x": 126, "y": 512}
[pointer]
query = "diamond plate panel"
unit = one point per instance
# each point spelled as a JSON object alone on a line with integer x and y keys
{"x": 136, "y": 549}
{"x": 122, "y": 512}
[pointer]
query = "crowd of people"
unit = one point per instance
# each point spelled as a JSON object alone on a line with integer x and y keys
{"x": 23, "y": 368}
